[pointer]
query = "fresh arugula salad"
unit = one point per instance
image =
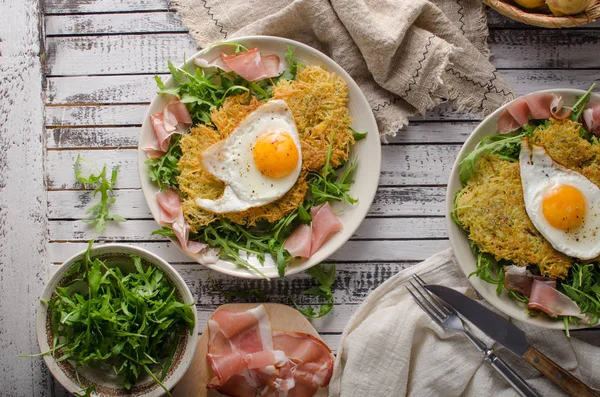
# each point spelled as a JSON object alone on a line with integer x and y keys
{"x": 489, "y": 207}
{"x": 128, "y": 323}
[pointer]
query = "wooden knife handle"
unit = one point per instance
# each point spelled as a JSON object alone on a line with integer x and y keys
{"x": 558, "y": 375}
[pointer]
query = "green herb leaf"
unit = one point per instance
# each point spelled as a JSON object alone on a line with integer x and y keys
{"x": 165, "y": 231}
{"x": 165, "y": 170}
{"x": 326, "y": 278}
{"x": 506, "y": 146}
{"x": 579, "y": 107}
{"x": 358, "y": 136}
{"x": 104, "y": 186}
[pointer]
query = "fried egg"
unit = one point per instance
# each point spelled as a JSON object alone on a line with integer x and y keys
{"x": 563, "y": 205}
{"x": 259, "y": 162}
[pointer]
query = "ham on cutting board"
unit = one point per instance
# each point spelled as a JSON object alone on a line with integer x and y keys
{"x": 199, "y": 374}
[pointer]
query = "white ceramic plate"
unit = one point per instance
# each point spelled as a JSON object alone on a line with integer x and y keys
{"x": 458, "y": 237}
{"x": 107, "y": 384}
{"x": 368, "y": 151}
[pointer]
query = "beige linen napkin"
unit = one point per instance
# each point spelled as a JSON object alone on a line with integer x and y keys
{"x": 406, "y": 55}
{"x": 391, "y": 347}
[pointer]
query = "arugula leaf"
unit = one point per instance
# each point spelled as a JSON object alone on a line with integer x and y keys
{"x": 506, "y": 146}
{"x": 290, "y": 74}
{"x": 165, "y": 231}
{"x": 87, "y": 392}
{"x": 579, "y": 107}
{"x": 130, "y": 322}
{"x": 104, "y": 187}
{"x": 358, "y": 135}
{"x": 165, "y": 170}
{"x": 488, "y": 269}
{"x": 326, "y": 278}
{"x": 583, "y": 287}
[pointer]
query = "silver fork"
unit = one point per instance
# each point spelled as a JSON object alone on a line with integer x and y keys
{"x": 445, "y": 316}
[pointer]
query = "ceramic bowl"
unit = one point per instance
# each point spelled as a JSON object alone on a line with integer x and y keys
{"x": 367, "y": 151}
{"x": 107, "y": 384}
{"x": 458, "y": 237}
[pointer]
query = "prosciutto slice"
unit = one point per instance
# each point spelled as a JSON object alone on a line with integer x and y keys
{"x": 518, "y": 279}
{"x": 249, "y": 359}
{"x": 299, "y": 242}
{"x": 249, "y": 64}
{"x": 548, "y": 299}
{"x": 310, "y": 360}
{"x": 533, "y": 106}
{"x": 171, "y": 214}
{"x": 591, "y": 119}
{"x": 174, "y": 119}
{"x": 324, "y": 223}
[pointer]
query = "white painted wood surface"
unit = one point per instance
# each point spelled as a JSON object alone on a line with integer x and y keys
{"x": 23, "y": 219}
{"x": 100, "y": 60}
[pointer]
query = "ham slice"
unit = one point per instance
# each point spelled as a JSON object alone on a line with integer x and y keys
{"x": 518, "y": 278}
{"x": 310, "y": 359}
{"x": 591, "y": 119}
{"x": 240, "y": 352}
{"x": 533, "y": 106}
{"x": 174, "y": 119}
{"x": 324, "y": 223}
{"x": 548, "y": 299}
{"x": 298, "y": 244}
{"x": 249, "y": 359}
{"x": 171, "y": 214}
{"x": 248, "y": 64}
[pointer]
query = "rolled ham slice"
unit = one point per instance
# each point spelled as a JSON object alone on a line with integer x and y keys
{"x": 311, "y": 359}
{"x": 174, "y": 119}
{"x": 591, "y": 119}
{"x": 171, "y": 214}
{"x": 249, "y": 64}
{"x": 533, "y": 106}
{"x": 324, "y": 224}
{"x": 518, "y": 279}
{"x": 548, "y": 299}
{"x": 299, "y": 242}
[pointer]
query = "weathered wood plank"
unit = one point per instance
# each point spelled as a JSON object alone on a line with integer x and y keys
{"x": 352, "y": 251}
{"x": 23, "y": 222}
{"x": 148, "y": 53}
{"x": 72, "y": 138}
{"x": 141, "y": 230}
{"x": 401, "y": 165}
{"x": 142, "y": 88}
{"x": 143, "y": 22}
{"x": 397, "y": 201}
{"x": 133, "y": 115}
{"x": 86, "y": 6}
{"x": 115, "y": 137}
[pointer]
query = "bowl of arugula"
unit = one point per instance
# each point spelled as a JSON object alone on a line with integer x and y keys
{"x": 117, "y": 320}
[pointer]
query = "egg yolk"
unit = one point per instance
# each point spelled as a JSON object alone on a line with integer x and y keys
{"x": 275, "y": 154}
{"x": 564, "y": 207}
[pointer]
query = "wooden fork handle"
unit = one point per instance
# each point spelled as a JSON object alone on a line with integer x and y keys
{"x": 558, "y": 375}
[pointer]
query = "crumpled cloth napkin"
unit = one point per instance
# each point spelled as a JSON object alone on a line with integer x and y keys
{"x": 391, "y": 347}
{"x": 406, "y": 55}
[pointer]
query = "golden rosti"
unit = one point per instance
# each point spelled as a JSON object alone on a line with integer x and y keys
{"x": 491, "y": 207}
{"x": 318, "y": 100}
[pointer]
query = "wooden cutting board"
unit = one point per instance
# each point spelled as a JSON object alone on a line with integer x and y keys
{"x": 199, "y": 374}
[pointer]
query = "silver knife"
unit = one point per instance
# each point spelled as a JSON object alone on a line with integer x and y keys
{"x": 511, "y": 337}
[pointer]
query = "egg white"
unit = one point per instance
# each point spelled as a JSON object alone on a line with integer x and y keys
{"x": 539, "y": 175}
{"x": 232, "y": 161}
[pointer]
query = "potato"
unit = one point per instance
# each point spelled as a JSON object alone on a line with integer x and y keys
{"x": 531, "y": 3}
{"x": 567, "y": 7}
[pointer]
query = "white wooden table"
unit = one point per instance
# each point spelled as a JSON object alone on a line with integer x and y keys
{"x": 76, "y": 77}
